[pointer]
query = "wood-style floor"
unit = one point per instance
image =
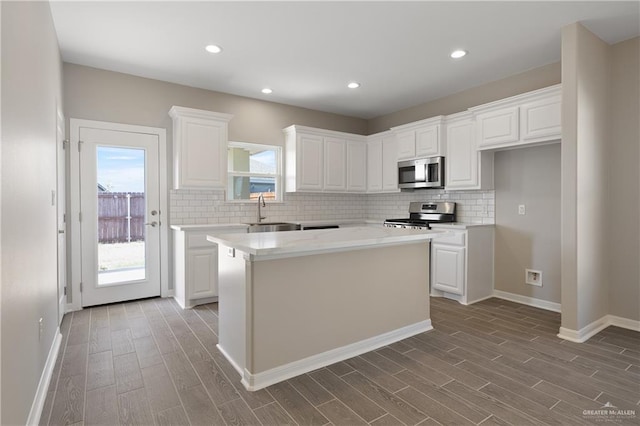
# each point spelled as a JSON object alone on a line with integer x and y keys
{"x": 491, "y": 363}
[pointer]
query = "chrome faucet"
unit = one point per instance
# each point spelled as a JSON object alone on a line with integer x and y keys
{"x": 260, "y": 205}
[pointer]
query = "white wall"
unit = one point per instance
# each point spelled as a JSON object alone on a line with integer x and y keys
{"x": 585, "y": 160}
{"x": 529, "y": 176}
{"x": 31, "y": 93}
{"x": 624, "y": 189}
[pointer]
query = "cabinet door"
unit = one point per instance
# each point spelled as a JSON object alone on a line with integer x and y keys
{"x": 447, "y": 263}
{"x": 374, "y": 165}
{"x": 309, "y": 162}
{"x": 201, "y": 154}
{"x": 498, "y": 127}
{"x": 202, "y": 272}
{"x": 428, "y": 141}
{"x": 389, "y": 164}
{"x": 335, "y": 165}
{"x": 541, "y": 119}
{"x": 356, "y": 166}
{"x": 462, "y": 158}
{"x": 406, "y": 145}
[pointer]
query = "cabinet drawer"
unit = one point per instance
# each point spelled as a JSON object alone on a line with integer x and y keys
{"x": 455, "y": 239}
{"x": 197, "y": 240}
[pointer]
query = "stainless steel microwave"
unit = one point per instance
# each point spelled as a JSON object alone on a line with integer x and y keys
{"x": 421, "y": 173}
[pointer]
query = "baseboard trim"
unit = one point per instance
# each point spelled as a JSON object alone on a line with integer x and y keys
{"x": 232, "y": 361}
{"x": 45, "y": 379}
{"x": 526, "y": 300}
{"x": 261, "y": 380}
{"x": 590, "y": 330}
{"x": 621, "y": 322}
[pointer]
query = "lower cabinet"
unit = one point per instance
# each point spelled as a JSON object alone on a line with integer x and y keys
{"x": 448, "y": 268}
{"x": 462, "y": 264}
{"x": 195, "y": 266}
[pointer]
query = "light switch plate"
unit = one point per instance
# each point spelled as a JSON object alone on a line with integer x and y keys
{"x": 522, "y": 210}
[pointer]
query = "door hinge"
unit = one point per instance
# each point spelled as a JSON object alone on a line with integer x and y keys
{"x": 65, "y": 290}
{"x": 79, "y": 145}
{"x": 65, "y": 143}
{"x": 80, "y": 287}
{"x": 64, "y": 218}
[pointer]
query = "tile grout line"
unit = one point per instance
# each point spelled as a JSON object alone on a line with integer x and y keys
{"x": 164, "y": 362}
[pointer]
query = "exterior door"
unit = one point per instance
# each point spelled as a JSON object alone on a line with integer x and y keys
{"x": 61, "y": 217}
{"x": 120, "y": 215}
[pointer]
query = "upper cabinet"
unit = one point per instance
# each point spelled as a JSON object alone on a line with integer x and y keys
{"x": 466, "y": 167}
{"x": 320, "y": 160}
{"x": 382, "y": 163}
{"x": 200, "y": 148}
{"x": 526, "y": 119}
{"x": 423, "y": 138}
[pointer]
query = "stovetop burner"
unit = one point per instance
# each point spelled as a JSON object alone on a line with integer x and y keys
{"x": 422, "y": 214}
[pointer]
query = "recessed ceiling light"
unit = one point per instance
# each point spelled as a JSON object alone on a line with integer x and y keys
{"x": 457, "y": 54}
{"x": 353, "y": 85}
{"x": 267, "y": 91}
{"x": 212, "y": 48}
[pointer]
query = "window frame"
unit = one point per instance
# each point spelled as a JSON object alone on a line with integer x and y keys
{"x": 279, "y": 178}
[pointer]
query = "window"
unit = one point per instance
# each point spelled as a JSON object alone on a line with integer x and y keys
{"x": 254, "y": 169}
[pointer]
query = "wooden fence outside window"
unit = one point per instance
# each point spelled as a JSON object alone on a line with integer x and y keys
{"x": 120, "y": 217}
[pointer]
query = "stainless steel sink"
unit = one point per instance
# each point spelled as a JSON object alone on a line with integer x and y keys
{"x": 273, "y": 227}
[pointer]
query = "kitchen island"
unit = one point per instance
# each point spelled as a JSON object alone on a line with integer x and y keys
{"x": 292, "y": 302}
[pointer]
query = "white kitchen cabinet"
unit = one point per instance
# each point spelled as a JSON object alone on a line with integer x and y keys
{"x": 447, "y": 263}
{"x": 356, "y": 166}
{"x": 466, "y": 167}
{"x": 335, "y": 164}
{"x": 195, "y": 269}
{"x": 382, "y": 163}
{"x": 540, "y": 119}
{"x": 498, "y": 127}
{"x": 422, "y": 138}
{"x": 200, "y": 148}
{"x": 195, "y": 265}
{"x": 319, "y": 160}
{"x": 406, "y": 144}
{"x": 374, "y": 164}
{"x": 389, "y": 164}
{"x": 462, "y": 263}
{"x": 527, "y": 119}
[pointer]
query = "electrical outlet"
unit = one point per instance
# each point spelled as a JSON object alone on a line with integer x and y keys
{"x": 522, "y": 210}
{"x": 533, "y": 277}
{"x": 40, "y": 328}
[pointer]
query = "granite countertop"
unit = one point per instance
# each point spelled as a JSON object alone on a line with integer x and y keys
{"x": 291, "y": 243}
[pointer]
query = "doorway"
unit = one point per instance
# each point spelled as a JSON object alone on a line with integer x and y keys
{"x": 118, "y": 186}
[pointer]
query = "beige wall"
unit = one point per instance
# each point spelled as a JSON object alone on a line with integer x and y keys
{"x": 529, "y": 176}
{"x": 585, "y": 139}
{"x": 31, "y": 92}
{"x": 536, "y": 78}
{"x": 96, "y": 94}
{"x": 624, "y": 188}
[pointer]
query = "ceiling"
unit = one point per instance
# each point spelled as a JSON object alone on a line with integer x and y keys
{"x": 307, "y": 52}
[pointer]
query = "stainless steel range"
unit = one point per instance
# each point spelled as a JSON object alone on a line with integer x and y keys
{"x": 422, "y": 214}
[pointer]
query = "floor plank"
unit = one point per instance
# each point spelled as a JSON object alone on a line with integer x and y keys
{"x": 491, "y": 363}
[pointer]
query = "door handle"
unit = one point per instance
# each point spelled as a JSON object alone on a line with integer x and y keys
{"x": 152, "y": 224}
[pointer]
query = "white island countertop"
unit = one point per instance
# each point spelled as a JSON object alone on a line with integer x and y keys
{"x": 301, "y": 243}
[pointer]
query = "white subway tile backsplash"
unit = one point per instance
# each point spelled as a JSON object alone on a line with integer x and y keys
{"x": 202, "y": 206}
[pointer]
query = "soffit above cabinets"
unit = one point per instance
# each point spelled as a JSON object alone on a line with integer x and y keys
{"x": 307, "y": 52}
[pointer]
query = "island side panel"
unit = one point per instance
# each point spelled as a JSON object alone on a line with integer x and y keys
{"x": 307, "y": 305}
{"x": 233, "y": 272}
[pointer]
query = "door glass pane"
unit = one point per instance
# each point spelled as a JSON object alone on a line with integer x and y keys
{"x": 121, "y": 215}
